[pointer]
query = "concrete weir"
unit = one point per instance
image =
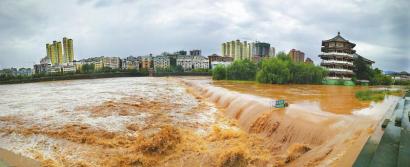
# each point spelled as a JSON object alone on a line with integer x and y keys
{"x": 393, "y": 149}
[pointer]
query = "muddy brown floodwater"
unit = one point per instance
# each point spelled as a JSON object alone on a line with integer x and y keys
{"x": 186, "y": 121}
{"x": 330, "y": 98}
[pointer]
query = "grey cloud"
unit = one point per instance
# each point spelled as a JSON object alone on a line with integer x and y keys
{"x": 103, "y": 3}
{"x": 121, "y": 28}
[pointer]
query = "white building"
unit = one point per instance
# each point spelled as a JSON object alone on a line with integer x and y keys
{"x": 216, "y": 63}
{"x": 130, "y": 63}
{"x": 54, "y": 69}
{"x": 189, "y": 62}
{"x": 162, "y": 62}
{"x": 68, "y": 69}
{"x": 111, "y": 62}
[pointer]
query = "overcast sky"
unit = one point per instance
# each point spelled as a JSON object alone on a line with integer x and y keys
{"x": 380, "y": 29}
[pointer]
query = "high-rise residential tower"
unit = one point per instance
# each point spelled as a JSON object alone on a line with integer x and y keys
{"x": 297, "y": 56}
{"x": 60, "y": 53}
{"x": 65, "y": 46}
{"x": 68, "y": 50}
{"x": 195, "y": 52}
{"x": 272, "y": 52}
{"x": 55, "y": 52}
{"x": 50, "y": 53}
{"x": 261, "y": 49}
{"x": 236, "y": 49}
{"x": 243, "y": 50}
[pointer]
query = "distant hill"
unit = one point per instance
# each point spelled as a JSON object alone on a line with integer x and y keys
{"x": 389, "y": 72}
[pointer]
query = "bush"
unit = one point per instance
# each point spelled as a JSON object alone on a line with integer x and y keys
{"x": 306, "y": 73}
{"x": 200, "y": 70}
{"x": 278, "y": 70}
{"x": 241, "y": 70}
{"x": 281, "y": 70}
{"x": 273, "y": 71}
{"x": 364, "y": 72}
{"x": 401, "y": 82}
{"x": 375, "y": 95}
{"x": 219, "y": 72}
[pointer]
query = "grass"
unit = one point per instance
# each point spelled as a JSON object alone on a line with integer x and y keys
{"x": 375, "y": 95}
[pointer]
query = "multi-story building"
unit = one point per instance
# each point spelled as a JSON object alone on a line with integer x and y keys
{"x": 215, "y": 59}
{"x": 146, "y": 62}
{"x": 97, "y": 62}
{"x": 24, "y": 71}
{"x": 243, "y": 50}
{"x": 162, "y": 62}
{"x": 50, "y": 54}
{"x": 98, "y": 65}
{"x": 237, "y": 50}
{"x": 309, "y": 61}
{"x": 181, "y": 52}
{"x": 54, "y": 69}
{"x": 189, "y": 62}
{"x": 260, "y": 49}
{"x": 78, "y": 65}
{"x": 195, "y": 52}
{"x": 272, "y": 52}
{"x": 68, "y": 68}
{"x": 41, "y": 68}
{"x": 55, "y": 52}
{"x": 44, "y": 65}
{"x": 130, "y": 63}
{"x": 200, "y": 62}
{"x": 337, "y": 58}
{"x": 58, "y": 51}
{"x": 68, "y": 50}
{"x": 111, "y": 62}
{"x": 296, "y": 56}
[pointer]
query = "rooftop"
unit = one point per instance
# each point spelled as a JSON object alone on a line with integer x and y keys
{"x": 338, "y": 38}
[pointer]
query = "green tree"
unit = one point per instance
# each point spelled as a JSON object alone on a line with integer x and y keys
{"x": 273, "y": 70}
{"x": 361, "y": 69}
{"x": 378, "y": 78}
{"x": 219, "y": 72}
{"x": 283, "y": 56}
{"x": 241, "y": 70}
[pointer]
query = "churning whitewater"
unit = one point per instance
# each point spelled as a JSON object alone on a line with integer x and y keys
{"x": 188, "y": 121}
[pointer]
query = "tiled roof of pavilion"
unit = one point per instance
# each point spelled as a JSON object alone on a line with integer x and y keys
{"x": 337, "y": 38}
{"x": 365, "y": 59}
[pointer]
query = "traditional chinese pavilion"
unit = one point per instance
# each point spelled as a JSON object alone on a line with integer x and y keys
{"x": 337, "y": 57}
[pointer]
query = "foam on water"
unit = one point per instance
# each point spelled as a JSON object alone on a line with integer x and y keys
{"x": 303, "y": 122}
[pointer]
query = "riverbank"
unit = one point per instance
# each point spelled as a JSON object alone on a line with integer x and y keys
{"x": 99, "y": 75}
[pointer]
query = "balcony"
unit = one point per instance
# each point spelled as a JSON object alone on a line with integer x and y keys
{"x": 337, "y": 53}
{"x": 340, "y": 70}
{"x": 337, "y": 78}
{"x": 337, "y": 62}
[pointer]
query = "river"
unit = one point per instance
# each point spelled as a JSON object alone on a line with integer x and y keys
{"x": 185, "y": 121}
